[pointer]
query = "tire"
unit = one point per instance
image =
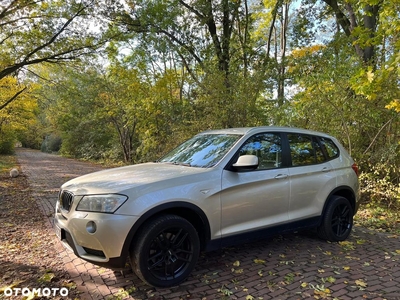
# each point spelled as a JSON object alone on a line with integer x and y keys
{"x": 166, "y": 251}
{"x": 337, "y": 220}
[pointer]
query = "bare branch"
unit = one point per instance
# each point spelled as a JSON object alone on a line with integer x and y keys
{"x": 27, "y": 59}
{"x": 12, "y": 98}
{"x": 193, "y": 10}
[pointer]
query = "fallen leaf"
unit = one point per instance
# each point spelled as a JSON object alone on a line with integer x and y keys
{"x": 329, "y": 279}
{"x": 31, "y": 296}
{"x": 236, "y": 263}
{"x": 14, "y": 284}
{"x": 259, "y": 261}
{"x": 361, "y": 283}
{"x": 346, "y": 245}
{"x": 323, "y": 294}
{"x": 69, "y": 285}
{"x": 47, "y": 277}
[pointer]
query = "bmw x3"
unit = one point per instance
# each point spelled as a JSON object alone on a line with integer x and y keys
{"x": 219, "y": 188}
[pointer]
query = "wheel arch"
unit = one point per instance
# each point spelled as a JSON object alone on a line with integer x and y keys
{"x": 345, "y": 192}
{"x": 186, "y": 210}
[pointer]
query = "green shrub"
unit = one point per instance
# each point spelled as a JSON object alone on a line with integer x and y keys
{"x": 7, "y": 141}
{"x": 381, "y": 184}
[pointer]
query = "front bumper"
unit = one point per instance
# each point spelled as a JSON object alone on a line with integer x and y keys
{"x": 102, "y": 246}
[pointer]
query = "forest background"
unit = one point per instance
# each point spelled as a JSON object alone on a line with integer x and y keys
{"x": 126, "y": 81}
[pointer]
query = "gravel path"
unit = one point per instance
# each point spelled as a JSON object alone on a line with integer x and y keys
{"x": 293, "y": 266}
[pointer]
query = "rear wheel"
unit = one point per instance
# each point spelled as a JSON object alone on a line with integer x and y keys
{"x": 165, "y": 251}
{"x": 337, "y": 221}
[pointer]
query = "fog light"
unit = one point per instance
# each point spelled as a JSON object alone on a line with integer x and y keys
{"x": 91, "y": 227}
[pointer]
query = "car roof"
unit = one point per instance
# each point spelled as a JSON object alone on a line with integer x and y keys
{"x": 252, "y": 130}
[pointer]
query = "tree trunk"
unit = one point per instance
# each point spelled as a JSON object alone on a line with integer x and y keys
{"x": 369, "y": 22}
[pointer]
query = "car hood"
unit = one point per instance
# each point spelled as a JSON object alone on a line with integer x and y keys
{"x": 118, "y": 180}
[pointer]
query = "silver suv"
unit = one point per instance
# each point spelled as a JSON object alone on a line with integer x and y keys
{"x": 219, "y": 188}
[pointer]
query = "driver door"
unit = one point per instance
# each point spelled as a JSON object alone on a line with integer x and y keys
{"x": 259, "y": 198}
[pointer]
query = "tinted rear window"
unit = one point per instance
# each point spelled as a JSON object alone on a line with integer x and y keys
{"x": 301, "y": 149}
{"x": 330, "y": 148}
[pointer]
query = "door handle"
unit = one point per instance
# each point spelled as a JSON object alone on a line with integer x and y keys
{"x": 326, "y": 169}
{"x": 281, "y": 176}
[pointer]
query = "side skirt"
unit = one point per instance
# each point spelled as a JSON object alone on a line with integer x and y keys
{"x": 262, "y": 233}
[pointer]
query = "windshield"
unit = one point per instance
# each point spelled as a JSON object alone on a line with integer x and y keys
{"x": 203, "y": 151}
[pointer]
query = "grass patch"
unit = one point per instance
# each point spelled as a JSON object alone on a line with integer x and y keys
{"x": 7, "y": 162}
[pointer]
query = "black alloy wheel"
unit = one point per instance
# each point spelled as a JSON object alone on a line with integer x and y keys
{"x": 166, "y": 251}
{"x": 337, "y": 221}
{"x": 341, "y": 220}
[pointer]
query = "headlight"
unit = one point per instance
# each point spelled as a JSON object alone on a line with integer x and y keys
{"x": 101, "y": 203}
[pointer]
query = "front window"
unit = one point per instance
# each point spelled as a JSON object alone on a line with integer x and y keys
{"x": 267, "y": 147}
{"x": 203, "y": 151}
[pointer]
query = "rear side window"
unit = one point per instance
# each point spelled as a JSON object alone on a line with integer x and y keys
{"x": 305, "y": 150}
{"x": 330, "y": 147}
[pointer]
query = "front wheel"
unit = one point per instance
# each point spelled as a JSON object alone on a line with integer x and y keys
{"x": 166, "y": 251}
{"x": 337, "y": 220}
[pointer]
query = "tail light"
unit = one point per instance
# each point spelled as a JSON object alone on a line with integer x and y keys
{"x": 355, "y": 168}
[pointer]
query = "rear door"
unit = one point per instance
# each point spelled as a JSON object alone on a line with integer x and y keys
{"x": 312, "y": 177}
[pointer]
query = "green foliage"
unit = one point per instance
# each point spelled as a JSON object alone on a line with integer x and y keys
{"x": 381, "y": 185}
{"x": 47, "y": 32}
{"x": 32, "y": 135}
{"x": 380, "y": 191}
{"x": 68, "y": 103}
{"x": 7, "y": 142}
{"x": 16, "y": 115}
{"x": 51, "y": 143}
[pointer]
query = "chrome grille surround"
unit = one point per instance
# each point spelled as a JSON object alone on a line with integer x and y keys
{"x": 66, "y": 199}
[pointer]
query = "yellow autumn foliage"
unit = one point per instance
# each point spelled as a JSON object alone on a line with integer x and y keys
{"x": 302, "y": 52}
{"x": 19, "y": 112}
{"x": 395, "y": 105}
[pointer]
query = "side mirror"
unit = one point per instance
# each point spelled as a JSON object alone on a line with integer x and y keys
{"x": 246, "y": 163}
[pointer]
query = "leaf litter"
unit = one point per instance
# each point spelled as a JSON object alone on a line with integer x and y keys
{"x": 28, "y": 258}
